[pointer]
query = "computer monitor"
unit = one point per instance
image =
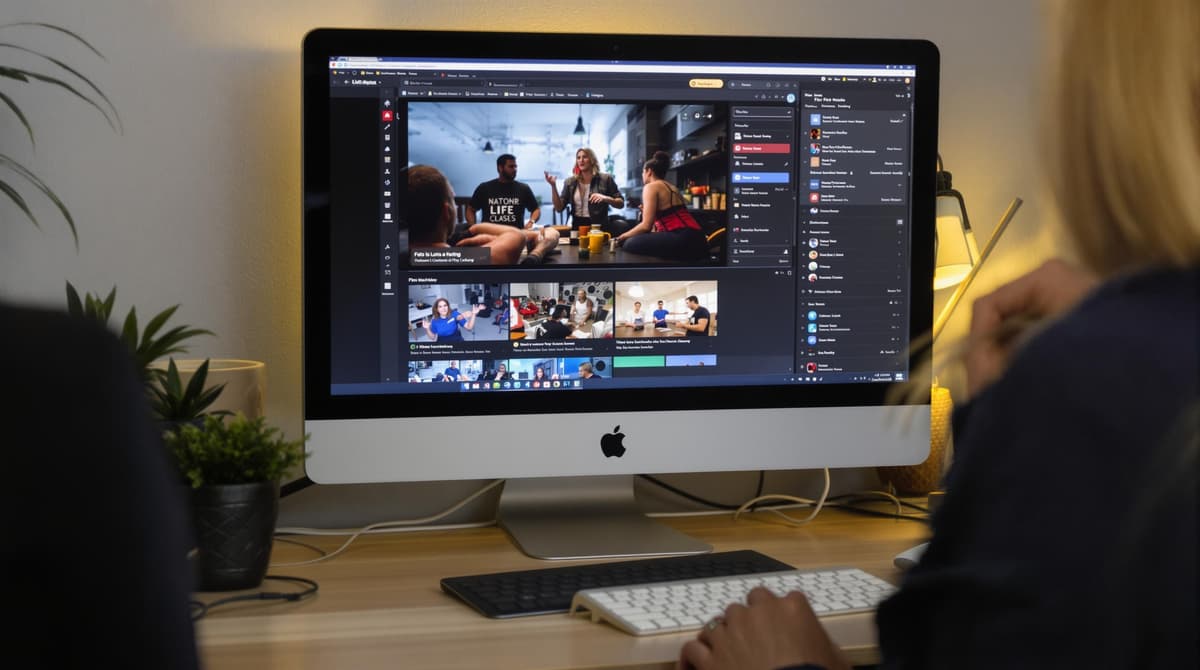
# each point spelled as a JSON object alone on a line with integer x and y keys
{"x": 758, "y": 322}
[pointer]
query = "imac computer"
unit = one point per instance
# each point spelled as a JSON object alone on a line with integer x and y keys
{"x": 482, "y": 298}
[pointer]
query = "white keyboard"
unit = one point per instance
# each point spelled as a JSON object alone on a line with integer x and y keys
{"x": 686, "y": 605}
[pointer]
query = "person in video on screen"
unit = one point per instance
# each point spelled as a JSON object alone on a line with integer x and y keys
{"x": 558, "y": 326}
{"x": 432, "y": 214}
{"x": 445, "y": 324}
{"x": 667, "y": 228}
{"x": 586, "y": 372}
{"x": 636, "y": 317}
{"x": 503, "y": 201}
{"x": 582, "y": 309}
{"x": 698, "y": 322}
{"x": 1024, "y": 569}
{"x": 660, "y": 316}
{"x": 589, "y": 193}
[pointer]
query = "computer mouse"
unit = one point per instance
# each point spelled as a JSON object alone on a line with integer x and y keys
{"x": 909, "y": 557}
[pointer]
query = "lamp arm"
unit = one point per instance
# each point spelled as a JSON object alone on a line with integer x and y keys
{"x": 944, "y": 317}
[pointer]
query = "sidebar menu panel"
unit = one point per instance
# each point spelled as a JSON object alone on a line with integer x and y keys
{"x": 855, "y": 229}
{"x": 763, "y": 220}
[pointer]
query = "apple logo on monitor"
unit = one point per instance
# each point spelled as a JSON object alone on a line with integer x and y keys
{"x": 611, "y": 445}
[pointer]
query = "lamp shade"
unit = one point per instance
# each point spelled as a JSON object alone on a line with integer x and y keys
{"x": 487, "y": 147}
{"x": 579, "y": 129}
{"x": 956, "y": 251}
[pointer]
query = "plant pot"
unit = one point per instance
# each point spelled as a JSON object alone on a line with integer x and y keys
{"x": 235, "y": 525}
{"x": 245, "y": 382}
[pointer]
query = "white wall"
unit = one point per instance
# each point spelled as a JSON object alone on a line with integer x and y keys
{"x": 198, "y": 201}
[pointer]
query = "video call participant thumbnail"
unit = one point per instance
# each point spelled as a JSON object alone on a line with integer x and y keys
{"x": 432, "y": 214}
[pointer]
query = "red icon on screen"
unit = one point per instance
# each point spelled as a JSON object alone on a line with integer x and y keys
{"x": 387, "y": 115}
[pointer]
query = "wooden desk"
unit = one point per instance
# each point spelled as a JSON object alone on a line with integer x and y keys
{"x": 381, "y": 606}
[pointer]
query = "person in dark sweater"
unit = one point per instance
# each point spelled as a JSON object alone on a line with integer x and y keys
{"x": 1067, "y": 537}
{"x": 96, "y": 536}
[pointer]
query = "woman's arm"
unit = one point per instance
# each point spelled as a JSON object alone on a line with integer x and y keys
{"x": 649, "y": 211}
{"x": 470, "y": 323}
{"x": 428, "y": 330}
{"x": 611, "y": 195}
{"x": 558, "y": 199}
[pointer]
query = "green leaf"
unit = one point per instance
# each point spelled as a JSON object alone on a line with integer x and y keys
{"x": 41, "y": 186}
{"x": 156, "y": 324}
{"x": 129, "y": 331}
{"x": 109, "y": 301}
{"x": 16, "y": 197}
{"x": 55, "y": 81}
{"x": 174, "y": 382}
{"x": 51, "y": 26}
{"x": 74, "y": 306}
{"x": 78, "y": 74}
{"x": 17, "y": 110}
{"x": 196, "y": 383}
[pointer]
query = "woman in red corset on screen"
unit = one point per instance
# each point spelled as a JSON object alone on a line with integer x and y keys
{"x": 667, "y": 228}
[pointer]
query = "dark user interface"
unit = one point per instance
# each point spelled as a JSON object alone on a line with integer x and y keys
{"x": 489, "y": 231}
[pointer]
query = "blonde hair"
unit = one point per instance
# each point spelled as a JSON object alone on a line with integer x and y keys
{"x": 592, "y": 157}
{"x": 1124, "y": 132}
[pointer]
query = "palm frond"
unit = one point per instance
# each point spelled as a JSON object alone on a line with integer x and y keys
{"x": 20, "y": 116}
{"x": 45, "y": 190}
{"x": 50, "y": 26}
{"x": 17, "y": 73}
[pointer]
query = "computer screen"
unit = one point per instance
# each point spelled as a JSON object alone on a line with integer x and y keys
{"x": 552, "y": 257}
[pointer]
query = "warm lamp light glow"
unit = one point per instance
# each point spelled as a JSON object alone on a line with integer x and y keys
{"x": 956, "y": 253}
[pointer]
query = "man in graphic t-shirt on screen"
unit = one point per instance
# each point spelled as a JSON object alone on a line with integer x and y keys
{"x": 503, "y": 201}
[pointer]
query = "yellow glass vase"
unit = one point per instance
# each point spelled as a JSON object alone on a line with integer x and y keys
{"x": 926, "y": 476}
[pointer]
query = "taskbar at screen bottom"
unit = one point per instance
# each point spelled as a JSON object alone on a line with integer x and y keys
{"x": 463, "y": 385}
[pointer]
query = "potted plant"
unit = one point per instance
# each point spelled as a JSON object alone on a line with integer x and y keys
{"x": 233, "y": 467}
{"x": 171, "y": 400}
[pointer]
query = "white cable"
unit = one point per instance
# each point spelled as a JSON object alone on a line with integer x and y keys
{"x": 330, "y": 532}
{"x": 387, "y": 524}
{"x": 818, "y": 504}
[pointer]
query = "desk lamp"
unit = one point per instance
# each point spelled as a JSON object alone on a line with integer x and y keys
{"x": 958, "y": 260}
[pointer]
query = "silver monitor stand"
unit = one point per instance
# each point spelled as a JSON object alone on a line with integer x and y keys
{"x": 586, "y": 517}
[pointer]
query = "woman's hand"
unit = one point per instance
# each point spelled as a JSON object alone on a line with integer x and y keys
{"x": 766, "y": 634}
{"x": 552, "y": 180}
{"x": 597, "y": 198}
{"x": 475, "y": 309}
{"x": 998, "y": 317}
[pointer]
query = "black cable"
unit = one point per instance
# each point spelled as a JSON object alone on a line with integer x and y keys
{"x": 200, "y": 609}
{"x": 874, "y": 512}
{"x": 684, "y": 494}
{"x": 281, "y": 538}
{"x": 295, "y": 486}
{"x": 762, "y": 478}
